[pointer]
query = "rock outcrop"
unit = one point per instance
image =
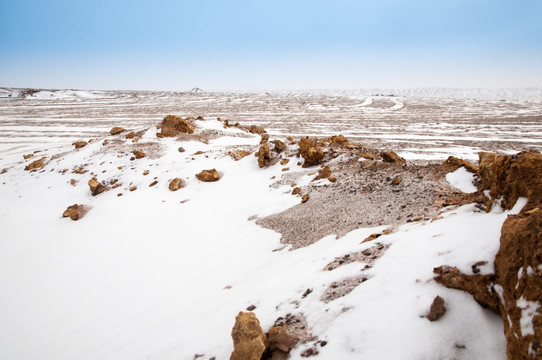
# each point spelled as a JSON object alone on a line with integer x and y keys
{"x": 249, "y": 341}
{"x": 511, "y": 177}
{"x": 176, "y": 184}
{"x": 453, "y": 163}
{"x": 208, "y": 175}
{"x": 173, "y": 125}
{"x": 515, "y": 289}
{"x": 310, "y": 151}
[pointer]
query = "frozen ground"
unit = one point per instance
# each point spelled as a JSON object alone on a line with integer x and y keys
{"x": 422, "y": 125}
{"x": 155, "y": 274}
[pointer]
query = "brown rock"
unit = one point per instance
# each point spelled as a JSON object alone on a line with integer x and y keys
{"x": 173, "y": 125}
{"x": 284, "y": 161}
{"x": 263, "y": 155}
{"x": 279, "y": 146}
{"x": 35, "y": 165}
{"x": 396, "y": 181}
{"x": 28, "y": 156}
{"x": 339, "y": 140}
{"x": 392, "y": 157}
{"x": 310, "y": 151}
{"x": 323, "y": 173}
{"x": 176, "y": 184}
{"x": 305, "y": 198}
{"x": 367, "y": 155}
{"x": 208, "y": 175}
{"x": 105, "y": 142}
{"x": 153, "y": 183}
{"x": 332, "y": 179}
{"x": 239, "y": 154}
{"x": 96, "y": 187}
{"x": 116, "y": 130}
{"x": 80, "y": 144}
{"x": 130, "y": 135}
{"x": 181, "y": 149}
{"x": 138, "y": 154}
{"x": 72, "y": 212}
{"x": 200, "y": 118}
{"x": 279, "y": 339}
{"x": 146, "y": 172}
{"x": 249, "y": 341}
{"x": 453, "y": 163}
{"x": 437, "y": 309}
{"x": 256, "y": 129}
{"x": 264, "y": 138}
{"x": 511, "y": 177}
{"x": 133, "y": 188}
{"x": 296, "y": 191}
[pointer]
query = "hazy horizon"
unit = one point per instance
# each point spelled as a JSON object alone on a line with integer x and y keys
{"x": 241, "y": 45}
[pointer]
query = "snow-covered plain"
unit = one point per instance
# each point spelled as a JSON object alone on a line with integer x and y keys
{"x": 155, "y": 274}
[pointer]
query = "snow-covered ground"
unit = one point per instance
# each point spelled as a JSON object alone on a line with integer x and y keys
{"x": 156, "y": 274}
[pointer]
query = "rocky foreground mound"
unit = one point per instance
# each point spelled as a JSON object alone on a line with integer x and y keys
{"x": 514, "y": 291}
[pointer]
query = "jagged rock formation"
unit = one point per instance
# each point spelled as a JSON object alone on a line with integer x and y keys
{"x": 173, "y": 125}
{"x": 310, "y": 151}
{"x": 96, "y": 187}
{"x": 72, "y": 212}
{"x": 515, "y": 289}
{"x": 264, "y": 157}
{"x": 392, "y": 157}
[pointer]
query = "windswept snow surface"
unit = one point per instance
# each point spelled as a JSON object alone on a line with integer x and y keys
{"x": 161, "y": 275}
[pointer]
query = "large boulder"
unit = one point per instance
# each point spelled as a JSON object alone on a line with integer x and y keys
{"x": 310, "y": 151}
{"x": 173, "y": 125}
{"x": 249, "y": 341}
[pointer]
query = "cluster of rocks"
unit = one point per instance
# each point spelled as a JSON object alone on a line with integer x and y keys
{"x": 251, "y": 343}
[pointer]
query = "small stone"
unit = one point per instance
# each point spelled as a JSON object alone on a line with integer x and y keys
{"x": 116, "y": 130}
{"x": 130, "y": 135}
{"x": 332, "y": 179}
{"x": 80, "y": 144}
{"x": 208, "y": 175}
{"x": 72, "y": 212}
{"x": 138, "y": 154}
{"x": 251, "y": 307}
{"x": 437, "y": 309}
{"x": 133, "y": 188}
{"x": 153, "y": 183}
{"x": 181, "y": 149}
{"x": 35, "y": 165}
{"x": 28, "y": 156}
{"x": 296, "y": 191}
{"x": 176, "y": 184}
{"x": 396, "y": 181}
{"x": 304, "y": 198}
{"x": 146, "y": 172}
{"x": 284, "y": 161}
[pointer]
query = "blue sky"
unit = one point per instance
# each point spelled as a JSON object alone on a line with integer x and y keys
{"x": 229, "y": 45}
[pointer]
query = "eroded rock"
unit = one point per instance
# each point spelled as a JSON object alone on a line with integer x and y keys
{"x": 339, "y": 140}
{"x": 264, "y": 156}
{"x": 310, "y": 151}
{"x": 249, "y": 341}
{"x": 392, "y": 157}
{"x": 453, "y": 163}
{"x": 323, "y": 173}
{"x": 72, "y": 212}
{"x": 173, "y": 125}
{"x": 96, "y": 187}
{"x": 437, "y": 309}
{"x": 36, "y": 165}
{"x": 138, "y": 154}
{"x": 116, "y": 130}
{"x": 80, "y": 144}
{"x": 208, "y": 175}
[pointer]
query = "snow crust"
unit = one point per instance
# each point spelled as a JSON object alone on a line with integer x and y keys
{"x": 462, "y": 180}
